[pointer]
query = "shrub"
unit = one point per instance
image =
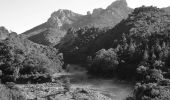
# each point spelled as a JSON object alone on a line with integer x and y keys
{"x": 104, "y": 63}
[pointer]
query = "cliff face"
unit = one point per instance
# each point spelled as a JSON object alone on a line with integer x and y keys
{"x": 62, "y": 19}
{"x": 52, "y": 31}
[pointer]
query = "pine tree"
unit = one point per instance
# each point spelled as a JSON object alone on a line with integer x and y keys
{"x": 163, "y": 45}
{"x": 153, "y": 56}
{"x": 145, "y": 55}
{"x": 132, "y": 47}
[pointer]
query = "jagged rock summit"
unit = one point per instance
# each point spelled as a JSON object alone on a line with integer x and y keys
{"x": 118, "y": 4}
{"x": 62, "y": 17}
{"x": 52, "y": 31}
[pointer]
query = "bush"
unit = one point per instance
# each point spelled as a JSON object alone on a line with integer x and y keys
{"x": 151, "y": 91}
{"x": 104, "y": 63}
{"x": 19, "y": 56}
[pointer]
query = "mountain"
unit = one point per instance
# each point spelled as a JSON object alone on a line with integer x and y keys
{"x": 112, "y": 15}
{"x": 138, "y": 48}
{"x": 52, "y": 31}
{"x": 141, "y": 23}
{"x": 55, "y": 28}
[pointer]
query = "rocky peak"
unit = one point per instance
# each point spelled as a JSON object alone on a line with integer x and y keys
{"x": 97, "y": 11}
{"x": 63, "y": 13}
{"x": 61, "y": 17}
{"x": 118, "y": 4}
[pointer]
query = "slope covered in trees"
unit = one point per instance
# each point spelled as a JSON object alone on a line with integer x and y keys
{"x": 79, "y": 43}
{"x": 22, "y": 60}
{"x": 141, "y": 51}
{"x": 138, "y": 47}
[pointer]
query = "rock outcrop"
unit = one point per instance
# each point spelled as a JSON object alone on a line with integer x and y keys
{"x": 52, "y": 31}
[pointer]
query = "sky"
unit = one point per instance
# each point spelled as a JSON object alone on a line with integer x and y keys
{"x": 22, "y": 15}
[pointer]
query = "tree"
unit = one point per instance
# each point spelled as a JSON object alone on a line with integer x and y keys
{"x": 132, "y": 48}
{"x": 23, "y": 60}
{"x": 104, "y": 63}
{"x": 158, "y": 64}
{"x": 142, "y": 71}
{"x": 145, "y": 55}
{"x": 156, "y": 75}
{"x": 153, "y": 56}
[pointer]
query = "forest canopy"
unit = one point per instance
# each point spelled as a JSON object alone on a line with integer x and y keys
{"x": 22, "y": 60}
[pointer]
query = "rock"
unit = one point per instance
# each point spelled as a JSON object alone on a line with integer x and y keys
{"x": 55, "y": 29}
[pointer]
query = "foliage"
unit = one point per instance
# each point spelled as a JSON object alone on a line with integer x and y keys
{"x": 141, "y": 46}
{"x": 151, "y": 91}
{"x": 20, "y": 57}
{"x": 80, "y": 43}
{"x": 104, "y": 63}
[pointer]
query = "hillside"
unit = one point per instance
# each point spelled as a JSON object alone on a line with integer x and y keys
{"x": 85, "y": 41}
{"x": 137, "y": 49}
{"x": 52, "y": 31}
{"x": 22, "y": 60}
{"x": 98, "y": 56}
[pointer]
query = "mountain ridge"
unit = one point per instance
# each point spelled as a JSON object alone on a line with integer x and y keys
{"x": 60, "y": 21}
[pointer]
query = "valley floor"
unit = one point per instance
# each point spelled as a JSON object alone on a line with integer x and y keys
{"x": 82, "y": 87}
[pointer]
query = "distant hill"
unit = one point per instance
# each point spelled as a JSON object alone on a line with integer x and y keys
{"x": 52, "y": 31}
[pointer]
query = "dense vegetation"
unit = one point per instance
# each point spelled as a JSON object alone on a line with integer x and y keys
{"x": 22, "y": 60}
{"x": 80, "y": 43}
{"x": 138, "y": 47}
{"x": 141, "y": 51}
